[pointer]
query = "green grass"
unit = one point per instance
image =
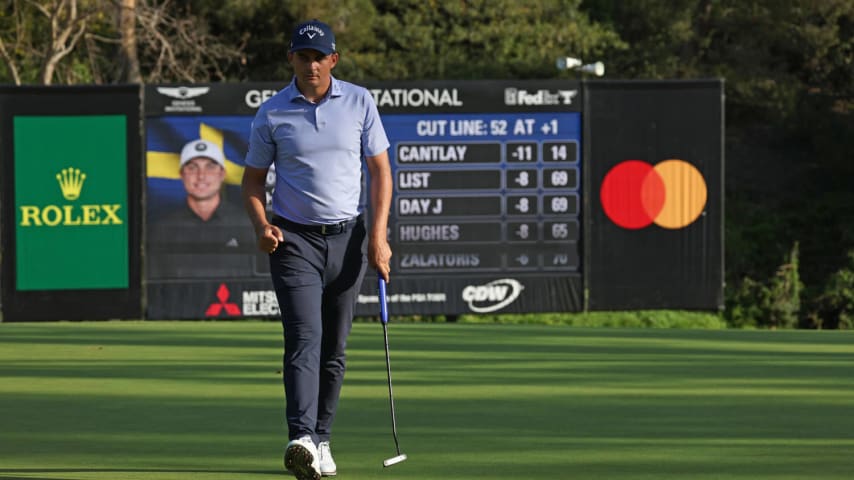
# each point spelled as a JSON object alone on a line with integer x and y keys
{"x": 621, "y": 319}
{"x": 203, "y": 400}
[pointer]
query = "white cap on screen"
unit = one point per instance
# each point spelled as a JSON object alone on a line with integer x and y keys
{"x": 202, "y": 148}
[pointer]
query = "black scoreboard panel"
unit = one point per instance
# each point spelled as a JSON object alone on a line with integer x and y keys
{"x": 486, "y": 214}
{"x": 485, "y": 192}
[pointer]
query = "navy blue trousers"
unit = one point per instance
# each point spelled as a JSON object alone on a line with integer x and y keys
{"x": 317, "y": 279}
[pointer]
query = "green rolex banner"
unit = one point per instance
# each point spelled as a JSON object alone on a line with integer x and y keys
{"x": 71, "y": 202}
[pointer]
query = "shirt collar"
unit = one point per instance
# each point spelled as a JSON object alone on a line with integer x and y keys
{"x": 293, "y": 92}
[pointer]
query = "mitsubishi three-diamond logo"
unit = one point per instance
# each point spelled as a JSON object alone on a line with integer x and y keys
{"x": 216, "y": 308}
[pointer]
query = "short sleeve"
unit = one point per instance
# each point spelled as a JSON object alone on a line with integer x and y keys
{"x": 374, "y": 139}
{"x": 262, "y": 149}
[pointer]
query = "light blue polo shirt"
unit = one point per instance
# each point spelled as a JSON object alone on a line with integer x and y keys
{"x": 317, "y": 149}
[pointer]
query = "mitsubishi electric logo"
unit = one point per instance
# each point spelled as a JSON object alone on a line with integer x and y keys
{"x": 222, "y": 304}
{"x": 493, "y": 296}
{"x": 521, "y": 97}
{"x": 71, "y": 185}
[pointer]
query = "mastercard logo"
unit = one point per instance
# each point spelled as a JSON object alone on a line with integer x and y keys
{"x": 670, "y": 194}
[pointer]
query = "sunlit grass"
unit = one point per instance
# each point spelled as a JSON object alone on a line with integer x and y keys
{"x": 169, "y": 400}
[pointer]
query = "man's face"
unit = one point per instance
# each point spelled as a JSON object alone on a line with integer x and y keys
{"x": 312, "y": 68}
{"x": 202, "y": 178}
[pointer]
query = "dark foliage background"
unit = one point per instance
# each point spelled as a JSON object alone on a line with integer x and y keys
{"x": 788, "y": 69}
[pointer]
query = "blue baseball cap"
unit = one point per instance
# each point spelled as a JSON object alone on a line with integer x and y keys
{"x": 314, "y": 35}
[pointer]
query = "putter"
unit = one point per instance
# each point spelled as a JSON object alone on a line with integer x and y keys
{"x": 384, "y": 319}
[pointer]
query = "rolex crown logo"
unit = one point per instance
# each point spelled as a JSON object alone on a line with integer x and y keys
{"x": 70, "y": 182}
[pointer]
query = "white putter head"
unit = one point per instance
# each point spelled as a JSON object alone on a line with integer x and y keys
{"x": 394, "y": 460}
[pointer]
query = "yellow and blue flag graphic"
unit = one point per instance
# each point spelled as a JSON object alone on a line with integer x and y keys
{"x": 166, "y": 136}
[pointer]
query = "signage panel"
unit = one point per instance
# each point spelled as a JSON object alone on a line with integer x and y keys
{"x": 71, "y": 201}
{"x": 486, "y": 189}
{"x": 655, "y": 151}
{"x": 71, "y": 221}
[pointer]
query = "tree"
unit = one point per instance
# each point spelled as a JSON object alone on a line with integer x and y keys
{"x": 67, "y": 26}
{"x": 415, "y": 39}
{"x": 130, "y": 68}
{"x": 108, "y": 41}
{"x": 479, "y": 39}
{"x": 41, "y": 34}
{"x": 176, "y": 46}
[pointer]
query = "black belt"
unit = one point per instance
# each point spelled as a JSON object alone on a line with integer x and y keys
{"x": 325, "y": 229}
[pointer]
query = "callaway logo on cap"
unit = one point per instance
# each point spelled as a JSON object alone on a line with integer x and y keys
{"x": 313, "y": 35}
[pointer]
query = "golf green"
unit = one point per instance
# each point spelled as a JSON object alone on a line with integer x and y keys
{"x": 203, "y": 400}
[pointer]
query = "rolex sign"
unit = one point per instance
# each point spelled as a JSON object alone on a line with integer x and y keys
{"x": 71, "y": 196}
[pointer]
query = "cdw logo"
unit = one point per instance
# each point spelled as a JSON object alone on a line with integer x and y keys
{"x": 493, "y": 296}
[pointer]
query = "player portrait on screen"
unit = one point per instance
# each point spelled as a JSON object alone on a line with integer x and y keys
{"x": 205, "y": 235}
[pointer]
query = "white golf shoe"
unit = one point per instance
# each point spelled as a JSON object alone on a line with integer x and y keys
{"x": 327, "y": 464}
{"x": 301, "y": 459}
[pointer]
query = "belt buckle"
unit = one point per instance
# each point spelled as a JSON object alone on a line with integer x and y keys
{"x": 331, "y": 229}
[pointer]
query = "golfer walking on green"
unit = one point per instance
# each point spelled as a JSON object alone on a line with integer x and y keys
{"x": 316, "y": 131}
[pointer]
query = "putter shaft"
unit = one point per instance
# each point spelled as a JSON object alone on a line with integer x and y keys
{"x": 384, "y": 319}
{"x": 390, "y": 391}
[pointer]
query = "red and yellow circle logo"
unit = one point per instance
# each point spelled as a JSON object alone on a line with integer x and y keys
{"x": 671, "y": 194}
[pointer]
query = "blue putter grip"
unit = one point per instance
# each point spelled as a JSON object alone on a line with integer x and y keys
{"x": 383, "y": 304}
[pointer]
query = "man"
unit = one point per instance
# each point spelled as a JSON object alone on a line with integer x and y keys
{"x": 203, "y": 172}
{"x": 207, "y": 236}
{"x": 315, "y": 131}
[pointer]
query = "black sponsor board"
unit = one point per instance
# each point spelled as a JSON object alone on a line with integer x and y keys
{"x": 468, "y": 161}
{"x": 212, "y": 298}
{"x": 208, "y": 98}
{"x": 70, "y": 168}
{"x": 510, "y": 196}
{"x": 655, "y": 226}
{"x": 473, "y": 293}
{"x": 497, "y": 186}
{"x": 233, "y": 299}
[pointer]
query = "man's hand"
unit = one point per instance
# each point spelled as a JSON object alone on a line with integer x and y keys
{"x": 269, "y": 238}
{"x": 254, "y": 199}
{"x": 379, "y": 256}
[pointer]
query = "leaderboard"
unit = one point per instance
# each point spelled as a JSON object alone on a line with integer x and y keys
{"x": 485, "y": 192}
